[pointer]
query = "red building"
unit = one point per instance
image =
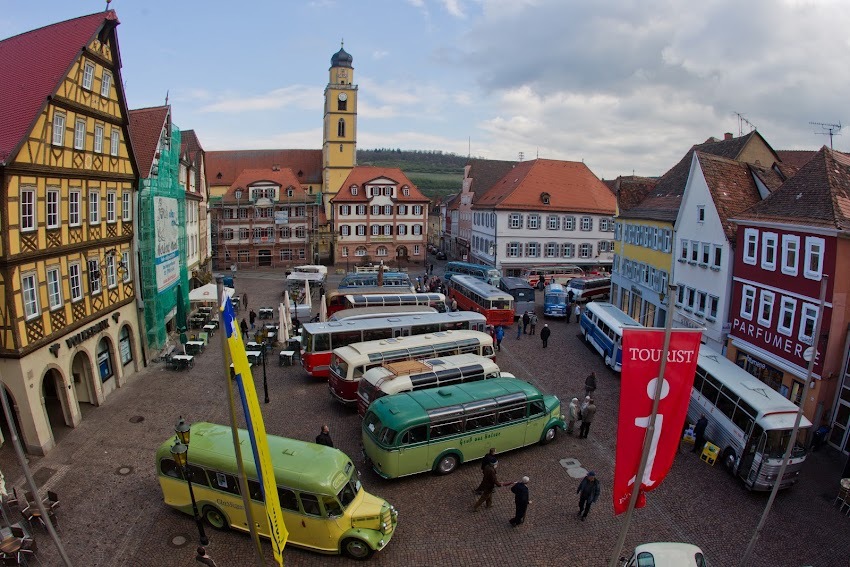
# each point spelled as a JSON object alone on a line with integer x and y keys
{"x": 786, "y": 245}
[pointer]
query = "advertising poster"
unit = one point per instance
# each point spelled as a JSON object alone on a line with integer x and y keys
{"x": 167, "y": 251}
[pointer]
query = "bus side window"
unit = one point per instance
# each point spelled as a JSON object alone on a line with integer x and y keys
{"x": 199, "y": 476}
{"x": 310, "y": 504}
{"x": 287, "y": 498}
{"x": 226, "y": 482}
{"x": 536, "y": 408}
{"x": 321, "y": 342}
{"x": 413, "y": 435}
{"x": 479, "y": 421}
{"x": 255, "y": 490}
{"x": 512, "y": 413}
{"x": 332, "y": 507}
{"x": 445, "y": 429}
{"x": 169, "y": 468}
{"x": 487, "y": 351}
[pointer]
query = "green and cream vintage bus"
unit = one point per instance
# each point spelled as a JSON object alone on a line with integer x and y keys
{"x": 437, "y": 429}
{"x": 324, "y": 507}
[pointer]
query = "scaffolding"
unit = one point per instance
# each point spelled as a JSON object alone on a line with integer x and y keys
{"x": 161, "y": 289}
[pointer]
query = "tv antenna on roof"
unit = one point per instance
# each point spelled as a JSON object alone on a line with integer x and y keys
{"x": 521, "y": 156}
{"x": 831, "y": 130}
{"x": 741, "y": 121}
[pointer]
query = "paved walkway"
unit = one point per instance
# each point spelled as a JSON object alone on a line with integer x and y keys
{"x": 112, "y": 512}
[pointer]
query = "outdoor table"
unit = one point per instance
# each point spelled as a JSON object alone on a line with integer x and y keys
{"x": 285, "y": 356}
{"x": 195, "y": 347}
{"x": 11, "y": 545}
{"x": 210, "y": 328}
{"x": 198, "y": 321}
{"x": 251, "y": 345}
{"x": 253, "y": 355}
{"x": 266, "y": 313}
{"x": 205, "y": 310}
{"x": 183, "y": 361}
{"x": 250, "y": 365}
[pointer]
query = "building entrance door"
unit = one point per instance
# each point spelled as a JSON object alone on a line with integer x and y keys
{"x": 264, "y": 258}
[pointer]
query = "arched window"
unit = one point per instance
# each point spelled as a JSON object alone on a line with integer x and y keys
{"x": 361, "y": 251}
{"x": 340, "y": 128}
{"x": 382, "y": 251}
{"x": 124, "y": 345}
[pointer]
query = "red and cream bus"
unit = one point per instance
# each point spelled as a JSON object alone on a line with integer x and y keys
{"x": 372, "y": 312}
{"x": 540, "y": 276}
{"x": 350, "y": 363}
{"x": 473, "y": 294}
{"x": 363, "y": 297}
{"x": 318, "y": 340}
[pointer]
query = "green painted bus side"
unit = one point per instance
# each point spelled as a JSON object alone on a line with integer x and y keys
{"x": 322, "y": 502}
{"x": 437, "y": 429}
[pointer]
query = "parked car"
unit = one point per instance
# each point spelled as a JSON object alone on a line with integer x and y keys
{"x": 666, "y": 554}
{"x": 441, "y": 255}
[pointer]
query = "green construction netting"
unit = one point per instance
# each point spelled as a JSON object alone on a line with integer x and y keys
{"x": 161, "y": 229}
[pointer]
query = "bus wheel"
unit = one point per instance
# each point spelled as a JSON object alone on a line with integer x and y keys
{"x": 729, "y": 460}
{"x": 215, "y": 518}
{"x": 357, "y": 549}
{"x": 447, "y": 463}
{"x": 550, "y": 435}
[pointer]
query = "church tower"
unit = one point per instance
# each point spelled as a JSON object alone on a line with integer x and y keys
{"x": 339, "y": 145}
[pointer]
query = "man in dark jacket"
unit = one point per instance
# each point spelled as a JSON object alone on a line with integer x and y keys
{"x": 588, "y": 491}
{"x": 590, "y": 384}
{"x": 586, "y": 419}
{"x": 520, "y": 490}
{"x": 526, "y": 319}
{"x": 699, "y": 434}
{"x": 489, "y": 459}
{"x": 488, "y": 486}
{"x": 544, "y": 335}
{"x": 252, "y": 317}
{"x": 324, "y": 437}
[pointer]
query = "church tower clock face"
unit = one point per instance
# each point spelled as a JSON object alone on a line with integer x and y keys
{"x": 342, "y": 97}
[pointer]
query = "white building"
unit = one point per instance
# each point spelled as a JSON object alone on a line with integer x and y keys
{"x": 544, "y": 212}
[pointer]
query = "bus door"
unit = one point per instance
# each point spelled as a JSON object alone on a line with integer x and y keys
{"x": 258, "y": 508}
{"x": 755, "y": 445}
{"x": 311, "y": 527}
{"x": 535, "y": 422}
{"x": 412, "y": 454}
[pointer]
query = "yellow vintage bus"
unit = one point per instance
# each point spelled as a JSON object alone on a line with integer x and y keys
{"x": 324, "y": 506}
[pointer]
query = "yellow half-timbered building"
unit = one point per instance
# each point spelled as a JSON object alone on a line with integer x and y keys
{"x": 69, "y": 325}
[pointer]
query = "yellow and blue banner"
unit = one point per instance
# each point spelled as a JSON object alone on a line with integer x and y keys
{"x": 256, "y": 428}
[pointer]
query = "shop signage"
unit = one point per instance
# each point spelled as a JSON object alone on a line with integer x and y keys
{"x": 770, "y": 340}
{"x": 74, "y": 340}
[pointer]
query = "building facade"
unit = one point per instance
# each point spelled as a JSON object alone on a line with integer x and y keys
{"x": 479, "y": 175}
{"x": 379, "y": 215}
{"x": 197, "y": 200}
{"x": 544, "y": 212}
{"x": 70, "y": 331}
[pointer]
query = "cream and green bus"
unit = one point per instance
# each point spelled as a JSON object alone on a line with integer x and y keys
{"x": 324, "y": 507}
{"x": 437, "y": 429}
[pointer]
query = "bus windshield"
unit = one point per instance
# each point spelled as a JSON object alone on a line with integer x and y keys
{"x": 339, "y": 365}
{"x": 381, "y": 434}
{"x": 777, "y": 441}
{"x": 500, "y": 304}
{"x": 349, "y": 492}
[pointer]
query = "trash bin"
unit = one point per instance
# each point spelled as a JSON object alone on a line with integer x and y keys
{"x": 819, "y": 437}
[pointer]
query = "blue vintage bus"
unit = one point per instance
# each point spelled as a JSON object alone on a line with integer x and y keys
{"x": 602, "y": 327}
{"x": 398, "y": 281}
{"x": 483, "y": 272}
{"x": 555, "y": 301}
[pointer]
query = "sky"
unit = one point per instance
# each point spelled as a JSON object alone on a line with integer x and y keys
{"x": 627, "y": 86}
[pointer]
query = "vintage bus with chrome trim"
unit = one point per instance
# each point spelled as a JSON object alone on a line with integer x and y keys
{"x": 482, "y": 272}
{"x": 435, "y": 300}
{"x": 350, "y": 363}
{"x": 555, "y": 302}
{"x": 522, "y": 293}
{"x": 336, "y": 299}
{"x": 318, "y": 340}
{"x": 410, "y": 375}
{"x": 602, "y": 325}
{"x": 473, "y": 294}
{"x": 356, "y": 313}
{"x": 541, "y": 276}
{"x": 395, "y": 280}
{"x": 324, "y": 506}
{"x": 748, "y": 420}
{"x": 437, "y": 429}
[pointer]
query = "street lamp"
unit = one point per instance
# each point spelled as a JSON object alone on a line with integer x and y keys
{"x": 265, "y": 383}
{"x": 180, "y": 453}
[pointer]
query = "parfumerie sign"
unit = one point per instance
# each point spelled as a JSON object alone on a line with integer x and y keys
{"x": 74, "y": 340}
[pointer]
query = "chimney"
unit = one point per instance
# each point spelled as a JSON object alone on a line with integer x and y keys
{"x": 728, "y": 136}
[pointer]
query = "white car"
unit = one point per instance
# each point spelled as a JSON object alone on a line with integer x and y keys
{"x": 666, "y": 554}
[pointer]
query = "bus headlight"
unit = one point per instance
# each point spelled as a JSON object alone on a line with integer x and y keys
{"x": 383, "y": 526}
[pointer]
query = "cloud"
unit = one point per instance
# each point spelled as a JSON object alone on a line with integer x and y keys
{"x": 379, "y": 54}
{"x": 295, "y": 96}
{"x": 453, "y": 8}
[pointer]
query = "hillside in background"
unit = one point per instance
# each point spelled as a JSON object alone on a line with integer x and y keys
{"x": 436, "y": 173}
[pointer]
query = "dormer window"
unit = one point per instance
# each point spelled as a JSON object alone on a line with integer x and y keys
{"x": 354, "y": 189}
{"x": 290, "y": 192}
{"x": 405, "y": 191}
{"x": 545, "y": 198}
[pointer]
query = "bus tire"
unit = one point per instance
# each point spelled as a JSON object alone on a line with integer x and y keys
{"x": 729, "y": 460}
{"x": 549, "y": 435}
{"x": 216, "y": 518}
{"x": 446, "y": 464}
{"x": 357, "y": 549}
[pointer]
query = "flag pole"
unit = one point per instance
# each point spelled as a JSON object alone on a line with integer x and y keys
{"x": 793, "y": 439}
{"x": 650, "y": 431}
{"x": 234, "y": 427}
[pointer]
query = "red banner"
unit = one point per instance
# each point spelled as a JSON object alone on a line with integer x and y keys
{"x": 642, "y": 353}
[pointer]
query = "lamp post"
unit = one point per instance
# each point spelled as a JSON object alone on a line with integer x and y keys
{"x": 265, "y": 382}
{"x": 180, "y": 453}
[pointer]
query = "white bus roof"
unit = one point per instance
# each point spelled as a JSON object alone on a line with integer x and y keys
{"x": 374, "y": 299}
{"x": 468, "y": 363}
{"x": 611, "y": 315}
{"x": 482, "y": 288}
{"x": 370, "y": 347}
{"x": 305, "y": 276}
{"x": 379, "y": 311}
{"x": 311, "y": 269}
{"x": 774, "y": 410}
{"x": 402, "y": 320}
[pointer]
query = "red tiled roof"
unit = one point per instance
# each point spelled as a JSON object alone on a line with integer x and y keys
{"x": 33, "y": 64}
{"x": 571, "y": 187}
{"x": 230, "y": 163}
{"x": 146, "y": 126}
{"x": 631, "y": 190}
{"x": 284, "y": 177}
{"x": 485, "y": 173}
{"x": 819, "y": 195}
{"x": 797, "y": 158}
{"x": 190, "y": 146}
{"x": 364, "y": 174}
{"x": 732, "y": 188}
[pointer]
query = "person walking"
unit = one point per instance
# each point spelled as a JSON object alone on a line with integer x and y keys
{"x": 544, "y": 334}
{"x": 500, "y": 334}
{"x": 590, "y": 384}
{"x": 526, "y": 320}
{"x": 699, "y": 434}
{"x": 203, "y": 557}
{"x": 454, "y": 305}
{"x": 519, "y": 329}
{"x": 489, "y": 459}
{"x": 488, "y": 486}
{"x": 587, "y": 419}
{"x": 588, "y": 491}
{"x": 324, "y": 437}
{"x": 431, "y": 269}
{"x": 251, "y": 318}
{"x": 245, "y": 301}
{"x": 573, "y": 415}
{"x": 533, "y": 323}
{"x": 577, "y": 312}
{"x": 244, "y": 327}
{"x": 520, "y": 490}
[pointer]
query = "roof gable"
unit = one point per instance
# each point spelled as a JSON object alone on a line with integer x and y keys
{"x": 223, "y": 167}
{"x": 146, "y": 125}
{"x": 33, "y": 65}
{"x": 284, "y": 177}
{"x": 361, "y": 176}
{"x": 485, "y": 173}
